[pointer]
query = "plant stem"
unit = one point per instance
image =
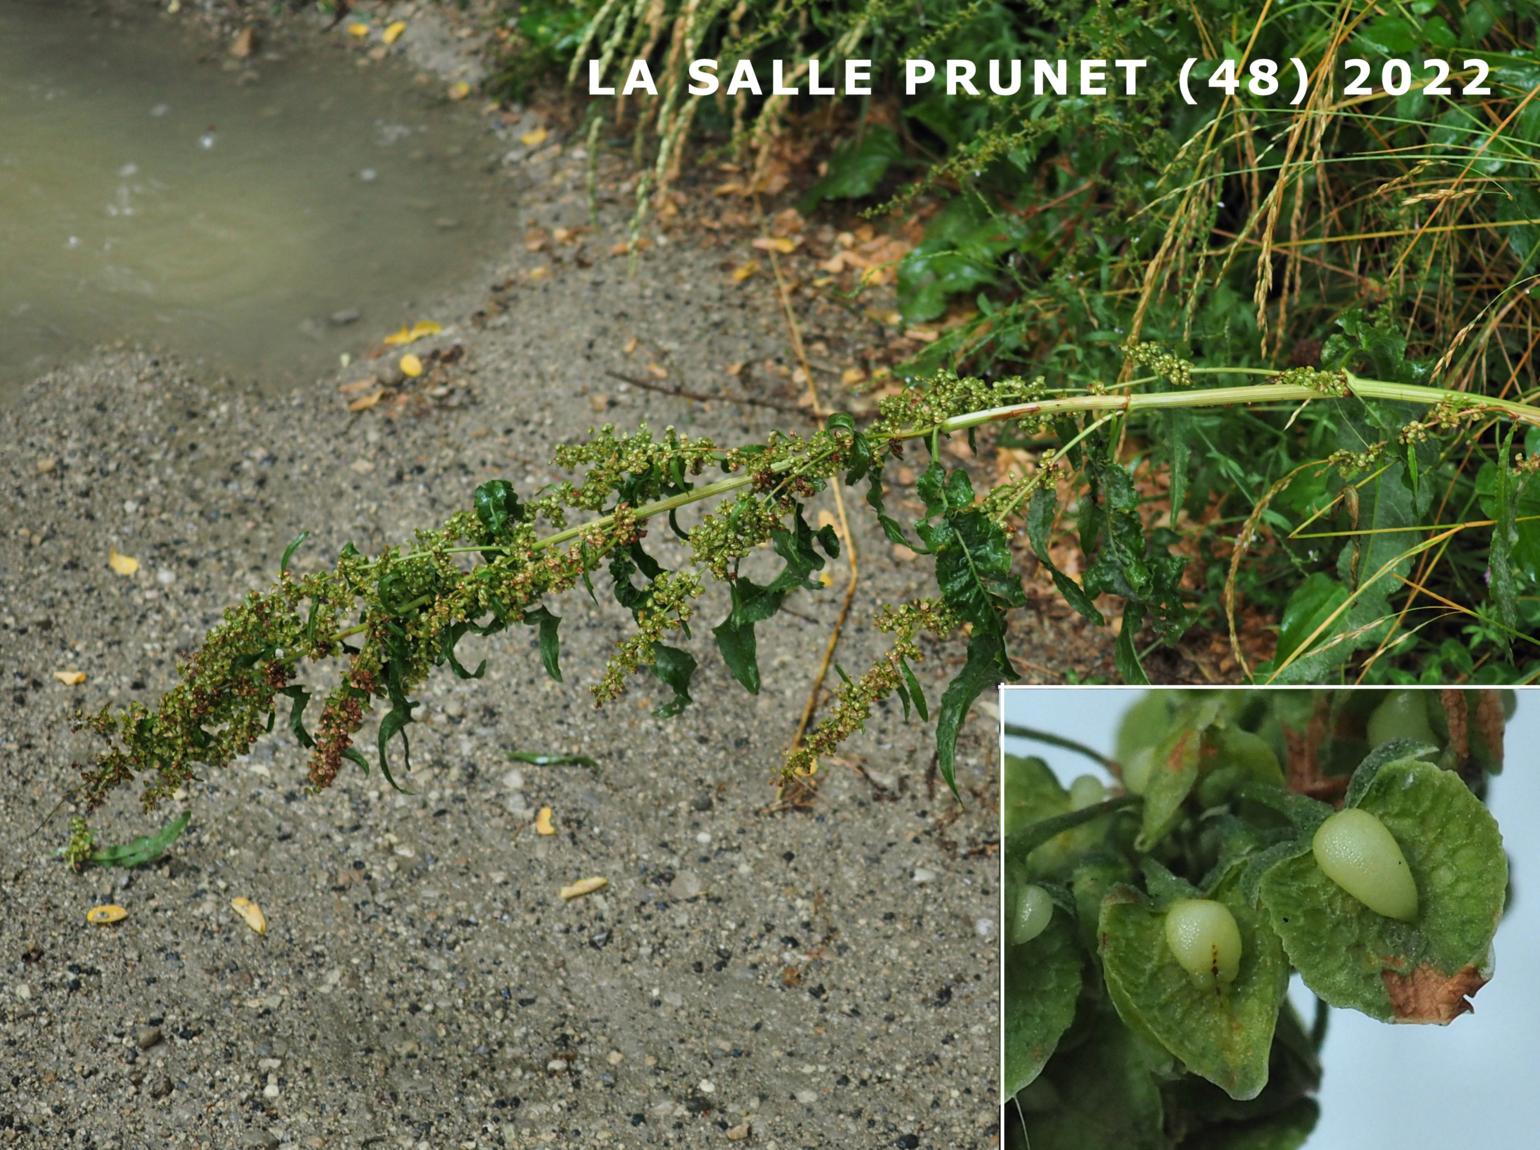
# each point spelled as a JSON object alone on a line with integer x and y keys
{"x": 1013, "y": 731}
{"x": 1244, "y": 395}
{"x": 1027, "y": 839}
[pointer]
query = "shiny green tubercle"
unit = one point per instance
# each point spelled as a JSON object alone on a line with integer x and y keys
{"x": 1033, "y": 913}
{"x": 1358, "y": 853}
{"x": 1204, "y": 939}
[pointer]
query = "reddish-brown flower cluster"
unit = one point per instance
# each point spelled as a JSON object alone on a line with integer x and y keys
{"x": 340, "y": 720}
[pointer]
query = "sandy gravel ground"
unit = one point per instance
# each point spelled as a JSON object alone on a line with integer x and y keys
{"x": 775, "y": 980}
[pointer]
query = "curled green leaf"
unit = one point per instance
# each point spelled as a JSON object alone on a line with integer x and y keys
{"x": 1418, "y": 971}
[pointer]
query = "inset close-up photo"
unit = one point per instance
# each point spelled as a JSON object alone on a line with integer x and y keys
{"x": 1215, "y": 900}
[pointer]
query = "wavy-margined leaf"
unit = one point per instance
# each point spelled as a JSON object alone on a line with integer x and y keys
{"x": 547, "y": 624}
{"x": 497, "y": 510}
{"x": 1103, "y": 1093}
{"x": 141, "y": 850}
{"x": 754, "y": 603}
{"x": 1420, "y": 971}
{"x": 674, "y": 667}
{"x": 1042, "y": 984}
{"x": 1040, "y": 516}
{"x": 855, "y": 169}
{"x": 1497, "y": 484}
{"x": 987, "y": 666}
{"x": 974, "y": 567}
{"x": 1221, "y": 1032}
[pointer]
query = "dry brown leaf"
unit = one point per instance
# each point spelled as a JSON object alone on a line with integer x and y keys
{"x": 782, "y": 244}
{"x": 245, "y": 43}
{"x": 657, "y": 371}
{"x": 852, "y": 376}
{"x": 583, "y": 886}
{"x": 251, "y": 912}
{"x": 365, "y": 402}
{"x": 122, "y": 564}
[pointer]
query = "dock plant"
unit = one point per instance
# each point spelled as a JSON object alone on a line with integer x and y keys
{"x": 376, "y": 626}
{"x": 1281, "y": 833}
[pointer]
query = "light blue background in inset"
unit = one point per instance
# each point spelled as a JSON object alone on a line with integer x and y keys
{"x": 1474, "y": 1083}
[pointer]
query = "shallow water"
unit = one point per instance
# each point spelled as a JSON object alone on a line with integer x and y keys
{"x": 152, "y": 189}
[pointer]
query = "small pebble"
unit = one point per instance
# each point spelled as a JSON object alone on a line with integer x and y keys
{"x": 147, "y": 1036}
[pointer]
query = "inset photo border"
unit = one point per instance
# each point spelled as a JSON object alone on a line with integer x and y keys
{"x": 1214, "y": 899}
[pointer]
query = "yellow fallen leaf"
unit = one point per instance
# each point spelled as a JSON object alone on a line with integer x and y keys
{"x": 357, "y": 30}
{"x": 744, "y": 271}
{"x": 365, "y": 402}
{"x": 122, "y": 564}
{"x": 103, "y": 915}
{"x": 70, "y": 678}
{"x": 533, "y": 139}
{"x": 852, "y": 376}
{"x": 393, "y": 32}
{"x": 411, "y": 366}
{"x": 583, "y": 886}
{"x": 543, "y": 822}
{"x": 775, "y": 244}
{"x": 459, "y": 91}
{"x": 405, "y": 335}
{"x": 252, "y": 913}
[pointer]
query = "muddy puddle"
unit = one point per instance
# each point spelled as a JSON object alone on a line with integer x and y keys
{"x": 263, "y": 216}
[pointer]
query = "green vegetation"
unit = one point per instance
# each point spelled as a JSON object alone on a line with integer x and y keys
{"x": 1393, "y": 236}
{"x": 393, "y": 619}
{"x": 1271, "y": 367}
{"x": 1149, "y": 1008}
